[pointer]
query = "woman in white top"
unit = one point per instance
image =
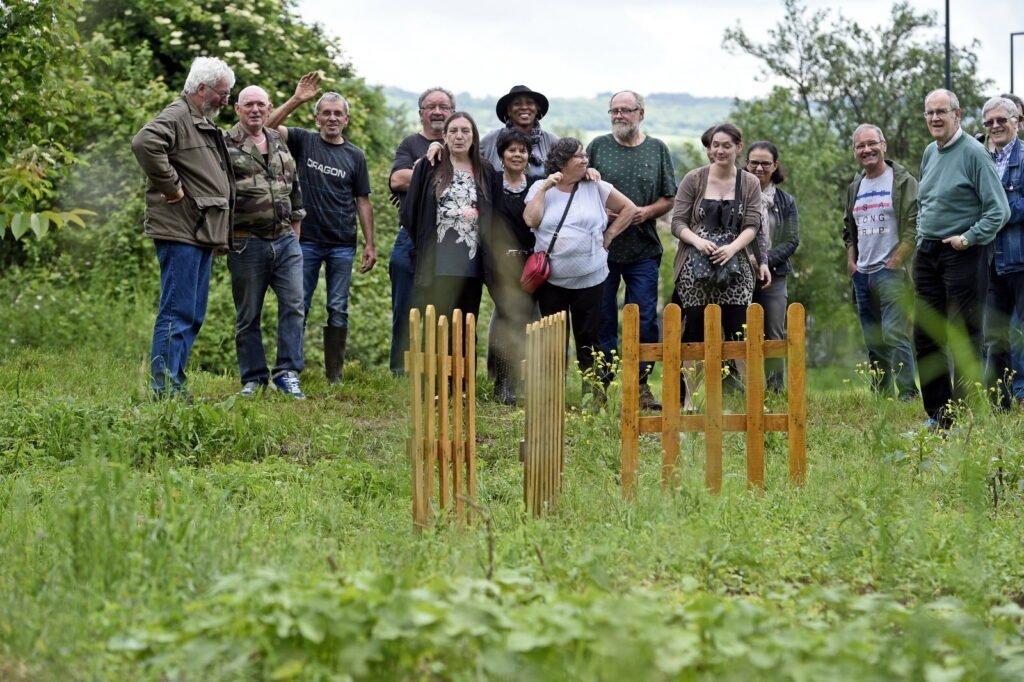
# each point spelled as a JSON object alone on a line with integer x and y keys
{"x": 579, "y": 259}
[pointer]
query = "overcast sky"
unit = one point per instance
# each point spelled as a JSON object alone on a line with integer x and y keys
{"x": 570, "y": 48}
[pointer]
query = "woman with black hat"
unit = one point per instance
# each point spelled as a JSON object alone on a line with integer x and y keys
{"x": 521, "y": 109}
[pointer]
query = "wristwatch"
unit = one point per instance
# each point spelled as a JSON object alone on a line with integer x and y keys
{"x": 963, "y": 241}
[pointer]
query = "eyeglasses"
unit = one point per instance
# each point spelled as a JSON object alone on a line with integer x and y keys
{"x": 997, "y": 121}
{"x": 439, "y": 107}
{"x": 760, "y": 164}
{"x": 937, "y": 112}
{"x": 870, "y": 144}
{"x": 620, "y": 111}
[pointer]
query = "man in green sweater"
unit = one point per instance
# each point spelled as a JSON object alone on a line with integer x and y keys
{"x": 962, "y": 207}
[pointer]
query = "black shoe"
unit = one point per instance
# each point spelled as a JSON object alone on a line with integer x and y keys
{"x": 335, "y": 339}
{"x": 647, "y": 399}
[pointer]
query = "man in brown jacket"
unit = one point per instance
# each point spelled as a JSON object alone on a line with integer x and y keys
{"x": 189, "y": 198}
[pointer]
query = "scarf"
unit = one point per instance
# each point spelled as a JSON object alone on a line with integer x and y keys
{"x": 767, "y": 201}
{"x": 535, "y": 138}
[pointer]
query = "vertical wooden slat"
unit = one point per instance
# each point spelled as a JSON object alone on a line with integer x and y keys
{"x": 459, "y": 451}
{"x": 414, "y": 367}
{"x": 630, "y": 374}
{"x": 443, "y": 426}
{"x": 755, "y": 396}
{"x": 671, "y": 337}
{"x": 530, "y": 405}
{"x": 713, "y": 389}
{"x": 558, "y": 352}
{"x": 470, "y": 360}
{"x": 797, "y": 408}
{"x": 430, "y": 415}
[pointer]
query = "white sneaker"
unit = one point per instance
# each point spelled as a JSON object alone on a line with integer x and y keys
{"x": 288, "y": 384}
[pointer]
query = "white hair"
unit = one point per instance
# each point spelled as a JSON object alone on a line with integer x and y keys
{"x": 331, "y": 97}
{"x": 1000, "y": 103}
{"x": 954, "y": 101}
{"x": 208, "y": 71}
{"x": 636, "y": 95}
{"x": 868, "y": 126}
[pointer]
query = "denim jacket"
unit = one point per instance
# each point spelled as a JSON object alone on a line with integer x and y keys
{"x": 1009, "y": 242}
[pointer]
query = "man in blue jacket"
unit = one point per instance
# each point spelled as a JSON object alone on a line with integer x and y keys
{"x": 1006, "y": 275}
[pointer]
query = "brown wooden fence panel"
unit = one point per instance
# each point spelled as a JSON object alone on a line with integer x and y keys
{"x": 442, "y": 393}
{"x": 544, "y": 444}
{"x": 714, "y": 422}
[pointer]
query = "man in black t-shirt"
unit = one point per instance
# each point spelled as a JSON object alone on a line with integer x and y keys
{"x": 435, "y": 105}
{"x": 336, "y": 189}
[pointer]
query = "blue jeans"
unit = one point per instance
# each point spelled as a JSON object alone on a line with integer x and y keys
{"x": 255, "y": 265}
{"x": 641, "y": 280}
{"x": 184, "y": 290}
{"x": 401, "y": 271}
{"x": 882, "y": 303}
{"x": 1003, "y": 335}
{"x": 339, "y": 261}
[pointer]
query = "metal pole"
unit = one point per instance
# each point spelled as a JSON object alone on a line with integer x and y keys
{"x": 1012, "y": 36}
{"x": 949, "y": 75}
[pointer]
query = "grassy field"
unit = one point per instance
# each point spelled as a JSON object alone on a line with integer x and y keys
{"x": 272, "y": 539}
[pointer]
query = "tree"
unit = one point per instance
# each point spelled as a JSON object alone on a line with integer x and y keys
{"x": 836, "y": 75}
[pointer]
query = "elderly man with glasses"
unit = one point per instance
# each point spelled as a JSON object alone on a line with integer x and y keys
{"x": 962, "y": 206}
{"x": 1006, "y": 275}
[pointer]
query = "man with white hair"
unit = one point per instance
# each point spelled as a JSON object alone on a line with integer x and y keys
{"x": 962, "y": 206}
{"x": 1005, "y": 301}
{"x": 336, "y": 189}
{"x": 189, "y": 197}
{"x": 265, "y": 250}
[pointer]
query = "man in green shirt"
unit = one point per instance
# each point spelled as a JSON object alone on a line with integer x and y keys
{"x": 640, "y": 167}
{"x": 962, "y": 207}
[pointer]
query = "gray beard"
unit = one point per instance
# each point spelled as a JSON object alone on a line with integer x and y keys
{"x": 627, "y": 132}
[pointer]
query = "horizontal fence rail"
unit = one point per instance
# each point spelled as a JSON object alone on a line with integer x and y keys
{"x": 714, "y": 422}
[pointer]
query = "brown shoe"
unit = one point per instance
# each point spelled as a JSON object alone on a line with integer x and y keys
{"x": 647, "y": 399}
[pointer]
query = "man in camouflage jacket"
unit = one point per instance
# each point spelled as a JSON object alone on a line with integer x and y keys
{"x": 265, "y": 248}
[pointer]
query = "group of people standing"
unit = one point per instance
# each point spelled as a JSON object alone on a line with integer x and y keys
{"x": 283, "y": 201}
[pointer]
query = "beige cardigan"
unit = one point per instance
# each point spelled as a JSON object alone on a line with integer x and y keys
{"x": 686, "y": 212}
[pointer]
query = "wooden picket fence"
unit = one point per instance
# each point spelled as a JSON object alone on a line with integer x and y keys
{"x": 443, "y": 435}
{"x": 543, "y": 447}
{"x": 713, "y": 351}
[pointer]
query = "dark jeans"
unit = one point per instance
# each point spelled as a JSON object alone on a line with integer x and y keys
{"x": 513, "y": 310}
{"x": 1004, "y": 311}
{"x": 950, "y": 288}
{"x": 401, "y": 272}
{"x": 774, "y": 300}
{"x": 584, "y": 309}
{"x": 447, "y": 294}
{"x": 338, "y": 275}
{"x": 256, "y": 265}
{"x": 733, "y": 319}
{"x": 184, "y": 290}
{"x": 882, "y": 303}
{"x": 641, "y": 280}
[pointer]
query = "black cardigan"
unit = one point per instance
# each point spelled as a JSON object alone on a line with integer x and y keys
{"x": 419, "y": 216}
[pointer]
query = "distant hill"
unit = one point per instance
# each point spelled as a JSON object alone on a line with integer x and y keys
{"x": 671, "y": 115}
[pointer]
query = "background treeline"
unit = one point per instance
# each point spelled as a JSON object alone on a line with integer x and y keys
{"x": 82, "y": 76}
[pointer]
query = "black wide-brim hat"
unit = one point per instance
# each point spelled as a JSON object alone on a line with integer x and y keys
{"x": 501, "y": 108}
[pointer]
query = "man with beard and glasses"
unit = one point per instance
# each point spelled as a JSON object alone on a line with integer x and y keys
{"x": 880, "y": 224}
{"x": 640, "y": 167}
{"x": 190, "y": 192}
{"x": 336, "y": 189}
{"x": 265, "y": 250}
{"x": 961, "y": 207}
{"x": 435, "y": 104}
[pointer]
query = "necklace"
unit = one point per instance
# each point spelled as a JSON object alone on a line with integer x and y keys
{"x": 258, "y": 142}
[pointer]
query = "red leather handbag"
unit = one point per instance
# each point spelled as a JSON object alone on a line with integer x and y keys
{"x": 537, "y": 269}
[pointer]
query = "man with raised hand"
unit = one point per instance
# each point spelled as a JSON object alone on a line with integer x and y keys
{"x": 1005, "y": 302}
{"x": 640, "y": 167}
{"x": 879, "y": 232}
{"x": 265, "y": 248}
{"x": 435, "y": 105}
{"x": 189, "y": 197}
{"x": 962, "y": 206}
{"x": 336, "y": 189}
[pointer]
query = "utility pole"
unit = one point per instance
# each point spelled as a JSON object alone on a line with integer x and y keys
{"x": 1012, "y": 36}
{"x": 949, "y": 75}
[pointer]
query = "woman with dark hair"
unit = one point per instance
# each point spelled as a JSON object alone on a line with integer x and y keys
{"x": 715, "y": 223}
{"x": 783, "y": 233}
{"x": 445, "y": 211}
{"x": 507, "y": 243}
{"x": 571, "y": 213}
